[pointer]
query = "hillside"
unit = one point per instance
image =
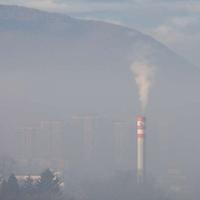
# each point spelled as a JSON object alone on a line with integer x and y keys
{"x": 53, "y": 66}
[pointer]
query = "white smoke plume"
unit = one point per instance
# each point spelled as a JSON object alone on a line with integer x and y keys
{"x": 144, "y": 76}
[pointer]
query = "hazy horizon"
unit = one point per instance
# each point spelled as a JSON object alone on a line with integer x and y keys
{"x": 71, "y": 90}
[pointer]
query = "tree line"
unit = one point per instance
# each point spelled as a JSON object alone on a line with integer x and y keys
{"x": 47, "y": 187}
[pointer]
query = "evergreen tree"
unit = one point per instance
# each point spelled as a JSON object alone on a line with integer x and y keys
{"x": 48, "y": 186}
{"x": 4, "y": 190}
{"x": 13, "y": 188}
{"x": 10, "y": 190}
{"x": 28, "y": 191}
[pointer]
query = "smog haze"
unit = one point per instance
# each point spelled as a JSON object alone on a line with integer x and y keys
{"x": 72, "y": 87}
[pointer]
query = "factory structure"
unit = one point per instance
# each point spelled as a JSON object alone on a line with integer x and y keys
{"x": 123, "y": 145}
{"x": 83, "y": 143}
{"x": 40, "y": 146}
{"x": 56, "y": 144}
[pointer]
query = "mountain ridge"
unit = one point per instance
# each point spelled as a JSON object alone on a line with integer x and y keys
{"x": 60, "y": 66}
{"x": 21, "y": 18}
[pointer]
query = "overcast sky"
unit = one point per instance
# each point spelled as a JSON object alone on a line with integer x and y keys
{"x": 176, "y": 23}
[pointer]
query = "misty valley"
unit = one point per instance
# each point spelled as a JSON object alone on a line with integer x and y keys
{"x": 94, "y": 110}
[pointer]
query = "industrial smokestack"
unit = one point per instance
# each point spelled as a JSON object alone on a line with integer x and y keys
{"x": 140, "y": 133}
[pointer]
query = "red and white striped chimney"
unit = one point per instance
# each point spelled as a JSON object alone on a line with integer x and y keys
{"x": 140, "y": 125}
